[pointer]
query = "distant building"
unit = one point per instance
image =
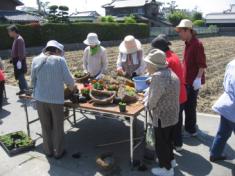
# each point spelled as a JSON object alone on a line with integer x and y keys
{"x": 88, "y": 16}
{"x": 223, "y": 19}
{"x": 9, "y": 14}
{"x": 142, "y": 9}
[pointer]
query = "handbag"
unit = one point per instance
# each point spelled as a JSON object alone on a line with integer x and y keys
{"x": 150, "y": 134}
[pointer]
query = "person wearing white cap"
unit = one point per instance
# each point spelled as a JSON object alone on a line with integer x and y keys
{"x": 95, "y": 59}
{"x": 130, "y": 61}
{"x": 194, "y": 64}
{"x": 48, "y": 76}
{"x": 163, "y": 105}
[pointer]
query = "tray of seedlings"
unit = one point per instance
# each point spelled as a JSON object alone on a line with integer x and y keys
{"x": 16, "y": 143}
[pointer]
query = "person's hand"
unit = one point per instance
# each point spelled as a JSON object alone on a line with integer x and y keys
{"x": 120, "y": 72}
{"x": 19, "y": 65}
{"x": 197, "y": 83}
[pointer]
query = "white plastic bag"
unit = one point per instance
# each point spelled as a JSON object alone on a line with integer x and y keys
{"x": 150, "y": 138}
{"x": 19, "y": 65}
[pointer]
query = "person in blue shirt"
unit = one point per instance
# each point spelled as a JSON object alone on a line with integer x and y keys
{"x": 225, "y": 106}
{"x": 48, "y": 76}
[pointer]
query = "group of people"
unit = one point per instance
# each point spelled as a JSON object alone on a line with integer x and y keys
{"x": 173, "y": 89}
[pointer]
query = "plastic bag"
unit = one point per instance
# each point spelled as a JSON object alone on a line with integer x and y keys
{"x": 150, "y": 138}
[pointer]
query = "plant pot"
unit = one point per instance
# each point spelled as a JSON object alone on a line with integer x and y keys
{"x": 122, "y": 107}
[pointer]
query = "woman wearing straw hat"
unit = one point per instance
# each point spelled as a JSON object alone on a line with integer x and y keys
{"x": 95, "y": 59}
{"x": 163, "y": 105}
{"x": 130, "y": 60}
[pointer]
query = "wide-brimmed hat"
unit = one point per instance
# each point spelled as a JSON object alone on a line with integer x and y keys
{"x": 92, "y": 39}
{"x": 55, "y": 44}
{"x": 130, "y": 45}
{"x": 161, "y": 42}
{"x": 156, "y": 58}
{"x": 185, "y": 23}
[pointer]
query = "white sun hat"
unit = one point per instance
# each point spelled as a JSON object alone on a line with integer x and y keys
{"x": 130, "y": 45}
{"x": 54, "y": 43}
{"x": 92, "y": 39}
{"x": 185, "y": 23}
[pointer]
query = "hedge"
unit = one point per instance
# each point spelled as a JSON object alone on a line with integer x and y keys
{"x": 38, "y": 35}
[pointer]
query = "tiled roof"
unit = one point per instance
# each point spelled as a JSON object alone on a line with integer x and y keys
{"x": 18, "y": 16}
{"x": 86, "y": 14}
{"x": 18, "y": 2}
{"x": 128, "y": 3}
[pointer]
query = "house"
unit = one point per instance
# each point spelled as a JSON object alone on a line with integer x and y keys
{"x": 88, "y": 16}
{"x": 9, "y": 13}
{"x": 142, "y": 9}
{"x": 223, "y": 19}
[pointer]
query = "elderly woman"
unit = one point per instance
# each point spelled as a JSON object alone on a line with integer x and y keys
{"x": 48, "y": 76}
{"x": 163, "y": 105}
{"x": 95, "y": 59}
{"x": 130, "y": 60}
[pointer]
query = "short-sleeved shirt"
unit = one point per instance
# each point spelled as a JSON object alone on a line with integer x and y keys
{"x": 194, "y": 59}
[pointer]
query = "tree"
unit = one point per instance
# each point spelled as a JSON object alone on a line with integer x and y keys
{"x": 108, "y": 19}
{"x": 172, "y": 6}
{"x": 53, "y": 10}
{"x": 197, "y": 16}
{"x": 175, "y": 17}
{"x": 63, "y": 14}
{"x": 199, "y": 23}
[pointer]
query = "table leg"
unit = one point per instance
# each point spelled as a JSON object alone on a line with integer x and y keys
{"x": 27, "y": 116}
{"x": 74, "y": 116}
{"x": 131, "y": 142}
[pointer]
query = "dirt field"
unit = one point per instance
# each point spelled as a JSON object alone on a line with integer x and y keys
{"x": 219, "y": 51}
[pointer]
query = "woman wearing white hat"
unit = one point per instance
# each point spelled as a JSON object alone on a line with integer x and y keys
{"x": 49, "y": 74}
{"x": 130, "y": 60}
{"x": 95, "y": 59}
{"x": 163, "y": 105}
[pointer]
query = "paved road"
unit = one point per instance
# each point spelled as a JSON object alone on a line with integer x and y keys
{"x": 83, "y": 138}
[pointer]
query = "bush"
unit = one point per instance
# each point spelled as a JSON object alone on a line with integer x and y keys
{"x": 199, "y": 23}
{"x": 130, "y": 19}
{"x": 36, "y": 35}
{"x": 175, "y": 17}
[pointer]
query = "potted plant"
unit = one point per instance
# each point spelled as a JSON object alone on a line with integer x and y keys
{"x": 86, "y": 93}
{"x": 122, "y": 107}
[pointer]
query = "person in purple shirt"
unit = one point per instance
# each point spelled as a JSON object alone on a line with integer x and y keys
{"x": 225, "y": 106}
{"x": 18, "y": 58}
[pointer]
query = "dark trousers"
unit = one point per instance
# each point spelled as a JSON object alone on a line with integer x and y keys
{"x": 1, "y": 92}
{"x": 23, "y": 85}
{"x": 178, "y": 142}
{"x": 190, "y": 110}
{"x": 164, "y": 145}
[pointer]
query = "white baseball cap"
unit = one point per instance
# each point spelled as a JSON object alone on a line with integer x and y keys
{"x": 185, "y": 23}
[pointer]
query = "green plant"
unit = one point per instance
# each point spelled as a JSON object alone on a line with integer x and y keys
{"x": 38, "y": 35}
{"x": 130, "y": 19}
{"x": 98, "y": 86}
{"x": 85, "y": 91}
{"x": 197, "y": 16}
{"x": 122, "y": 107}
{"x": 199, "y": 23}
{"x": 108, "y": 19}
{"x": 177, "y": 16}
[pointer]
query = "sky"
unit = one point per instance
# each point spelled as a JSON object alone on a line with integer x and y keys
{"x": 205, "y": 6}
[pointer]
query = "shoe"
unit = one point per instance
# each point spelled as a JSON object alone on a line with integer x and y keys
{"x": 219, "y": 158}
{"x": 173, "y": 163}
{"x": 20, "y": 92}
{"x": 187, "y": 134}
{"x": 178, "y": 148}
{"x": 162, "y": 172}
{"x": 60, "y": 156}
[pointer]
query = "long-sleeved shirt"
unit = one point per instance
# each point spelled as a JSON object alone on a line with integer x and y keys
{"x": 18, "y": 49}
{"x": 96, "y": 64}
{"x": 163, "y": 98}
{"x": 225, "y": 105}
{"x": 48, "y": 76}
{"x": 135, "y": 62}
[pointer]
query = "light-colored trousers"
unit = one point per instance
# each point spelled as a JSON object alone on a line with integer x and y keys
{"x": 52, "y": 122}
